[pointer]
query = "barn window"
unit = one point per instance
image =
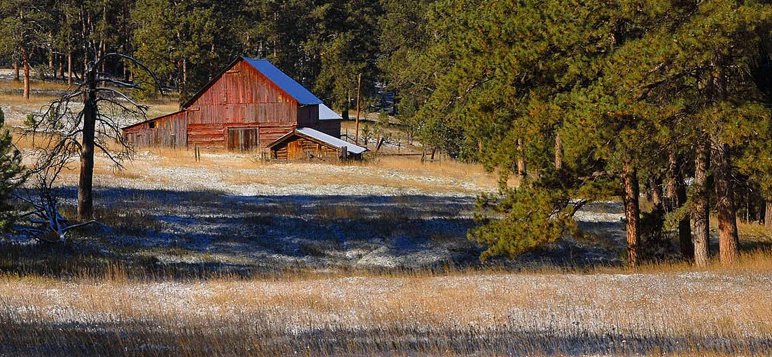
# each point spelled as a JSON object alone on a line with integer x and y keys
{"x": 152, "y": 125}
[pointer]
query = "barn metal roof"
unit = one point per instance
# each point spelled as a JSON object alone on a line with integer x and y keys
{"x": 325, "y": 113}
{"x": 322, "y": 137}
{"x": 287, "y": 84}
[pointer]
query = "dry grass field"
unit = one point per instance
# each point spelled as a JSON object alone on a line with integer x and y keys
{"x": 706, "y": 313}
{"x": 235, "y": 256}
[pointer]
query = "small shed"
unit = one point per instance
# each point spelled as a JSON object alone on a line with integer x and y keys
{"x": 307, "y": 143}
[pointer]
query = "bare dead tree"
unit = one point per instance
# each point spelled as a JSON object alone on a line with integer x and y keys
{"x": 50, "y": 225}
{"x": 68, "y": 133}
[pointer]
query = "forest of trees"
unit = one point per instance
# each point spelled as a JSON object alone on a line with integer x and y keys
{"x": 665, "y": 99}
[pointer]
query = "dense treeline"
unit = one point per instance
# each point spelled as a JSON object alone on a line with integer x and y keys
{"x": 585, "y": 100}
{"x": 324, "y": 44}
{"x": 576, "y": 100}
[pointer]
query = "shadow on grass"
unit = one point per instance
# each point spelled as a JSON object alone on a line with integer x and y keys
{"x": 149, "y": 233}
{"x": 149, "y": 338}
{"x": 205, "y": 233}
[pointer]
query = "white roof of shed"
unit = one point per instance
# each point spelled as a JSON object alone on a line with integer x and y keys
{"x": 338, "y": 143}
{"x": 325, "y": 113}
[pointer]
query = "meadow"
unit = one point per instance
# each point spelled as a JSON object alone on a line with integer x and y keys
{"x": 653, "y": 313}
{"x": 235, "y": 256}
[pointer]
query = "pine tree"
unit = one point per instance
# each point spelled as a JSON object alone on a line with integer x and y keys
{"x": 23, "y": 25}
{"x": 12, "y": 175}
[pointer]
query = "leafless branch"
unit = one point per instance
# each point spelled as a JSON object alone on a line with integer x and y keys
{"x": 62, "y": 132}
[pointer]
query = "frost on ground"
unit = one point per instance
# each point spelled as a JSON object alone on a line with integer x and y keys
{"x": 457, "y": 314}
{"x": 234, "y": 214}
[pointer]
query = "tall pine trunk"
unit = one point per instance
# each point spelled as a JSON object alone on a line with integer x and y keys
{"x": 684, "y": 229}
{"x": 25, "y": 60}
{"x": 521, "y": 169}
{"x": 51, "y": 54}
{"x": 676, "y": 198}
{"x": 16, "y": 77}
{"x": 184, "y": 78}
{"x": 729, "y": 242}
{"x": 656, "y": 194}
{"x": 700, "y": 218}
{"x": 85, "y": 183}
{"x": 69, "y": 67}
{"x": 558, "y": 152}
{"x": 632, "y": 212}
{"x": 768, "y": 214}
{"x": 61, "y": 65}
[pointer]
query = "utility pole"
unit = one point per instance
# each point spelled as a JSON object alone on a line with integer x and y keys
{"x": 359, "y": 90}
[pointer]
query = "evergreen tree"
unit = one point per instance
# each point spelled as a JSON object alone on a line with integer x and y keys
{"x": 616, "y": 88}
{"x": 345, "y": 44}
{"x": 12, "y": 175}
{"x": 23, "y": 25}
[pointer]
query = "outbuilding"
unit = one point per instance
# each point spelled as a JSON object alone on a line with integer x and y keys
{"x": 307, "y": 143}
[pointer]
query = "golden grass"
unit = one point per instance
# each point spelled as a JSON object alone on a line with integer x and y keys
{"x": 12, "y": 99}
{"x": 459, "y": 313}
{"x": 162, "y": 107}
{"x": 405, "y": 173}
{"x": 36, "y": 83}
{"x": 447, "y": 167}
{"x": 753, "y": 232}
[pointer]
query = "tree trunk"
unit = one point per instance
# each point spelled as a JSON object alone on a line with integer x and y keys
{"x": 684, "y": 229}
{"x": 85, "y": 199}
{"x": 768, "y": 213}
{"x": 359, "y": 89}
{"x": 16, "y": 72}
{"x": 520, "y": 159}
{"x": 656, "y": 194}
{"x": 103, "y": 36}
{"x": 729, "y": 243}
{"x": 671, "y": 186}
{"x": 69, "y": 67}
{"x": 558, "y": 152}
{"x": 85, "y": 18}
{"x": 61, "y": 66}
{"x": 700, "y": 207}
{"x": 676, "y": 197}
{"x": 51, "y": 54}
{"x": 25, "y": 60}
{"x": 632, "y": 212}
{"x": 185, "y": 77}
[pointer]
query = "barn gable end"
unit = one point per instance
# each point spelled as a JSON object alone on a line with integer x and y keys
{"x": 239, "y": 99}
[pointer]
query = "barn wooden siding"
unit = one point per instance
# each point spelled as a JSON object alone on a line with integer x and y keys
{"x": 308, "y": 115}
{"x": 242, "y": 98}
{"x": 329, "y": 127}
{"x": 299, "y": 148}
{"x": 167, "y": 131}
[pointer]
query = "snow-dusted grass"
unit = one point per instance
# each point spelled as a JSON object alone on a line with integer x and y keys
{"x": 461, "y": 313}
{"x": 346, "y": 251}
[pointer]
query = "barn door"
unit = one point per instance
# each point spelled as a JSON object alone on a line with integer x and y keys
{"x": 295, "y": 150}
{"x": 243, "y": 139}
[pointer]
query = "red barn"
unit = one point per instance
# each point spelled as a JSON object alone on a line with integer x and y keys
{"x": 248, "y": 106}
